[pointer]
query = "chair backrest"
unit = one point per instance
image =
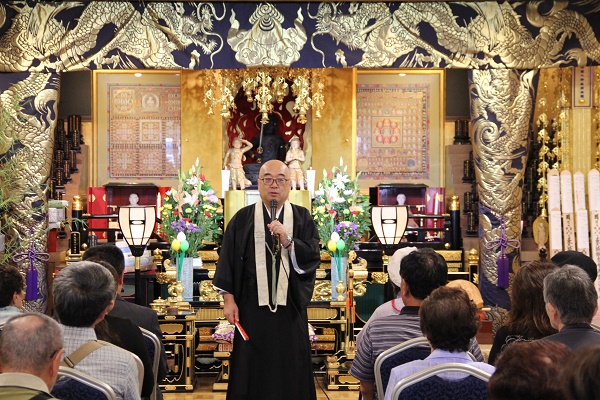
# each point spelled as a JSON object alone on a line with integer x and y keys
{"x": 75, "y": 385}
{"x": 153, "y": 346}
{"x": 410, "y": 350}
{"x": 427, "y": 385}
{"x": 140, "y": 370}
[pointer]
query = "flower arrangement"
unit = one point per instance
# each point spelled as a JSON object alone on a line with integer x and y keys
{"x": 190, "y": 214}
{"x": 340, "y": 211}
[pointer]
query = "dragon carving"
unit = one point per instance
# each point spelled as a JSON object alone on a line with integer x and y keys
{"x": 150, "y": 36}
{"x": 502, "y": 103}
{"x": 387, "y": 38}
{"x": 27, "y": 153}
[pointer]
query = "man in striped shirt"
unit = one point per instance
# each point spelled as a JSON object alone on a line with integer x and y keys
{"x": 422, "y": 271}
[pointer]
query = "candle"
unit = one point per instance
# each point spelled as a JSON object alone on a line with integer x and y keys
{"x": 225, "y": 175}
{"x": 311, "y": 175}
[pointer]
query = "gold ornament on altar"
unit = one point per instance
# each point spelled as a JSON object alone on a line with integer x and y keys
{"x": 540, "y": 224}
{"x": 175, "y": 290}
{"x": 340, "y": 289}
{"x": 263, "y": 86}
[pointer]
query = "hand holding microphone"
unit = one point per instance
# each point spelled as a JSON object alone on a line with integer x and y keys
{"x": 276, "y": 239}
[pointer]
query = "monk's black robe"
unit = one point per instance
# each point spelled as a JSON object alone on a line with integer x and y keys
{"x": 275, "y": 364}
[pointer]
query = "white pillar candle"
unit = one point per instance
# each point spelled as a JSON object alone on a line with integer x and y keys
{"x": 225, "y": 176}
{"x": 311, "y": 174}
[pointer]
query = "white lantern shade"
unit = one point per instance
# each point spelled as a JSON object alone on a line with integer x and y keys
{"x": 137, "y": 225}
{"x": 389, "y": 223}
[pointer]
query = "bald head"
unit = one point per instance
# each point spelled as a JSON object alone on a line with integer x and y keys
{"x": 29, "y": 342}
{"x": 275, "y": 171}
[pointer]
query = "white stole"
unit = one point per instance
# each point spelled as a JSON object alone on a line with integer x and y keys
{"x": 262, "y": 281}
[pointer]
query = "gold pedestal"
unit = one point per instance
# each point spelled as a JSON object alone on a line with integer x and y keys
{"x": 179, "y": 341}
{"x": 234, "y": 200}
{"x": 300, "y": 197}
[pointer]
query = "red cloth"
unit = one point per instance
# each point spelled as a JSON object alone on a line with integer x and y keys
{"x": 96, "y": 205}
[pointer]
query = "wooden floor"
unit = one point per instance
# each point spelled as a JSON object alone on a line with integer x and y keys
{"x": 204, "y": 391}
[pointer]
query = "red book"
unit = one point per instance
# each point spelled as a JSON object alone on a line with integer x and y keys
{"x": 96, "y": 205}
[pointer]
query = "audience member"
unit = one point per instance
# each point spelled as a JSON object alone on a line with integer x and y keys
{"x": 124, "y": 333}
{"x": 393, "y": 306}
{"x": 84, "y": 292}
{"x": 422, "y": 271}
{"x": 578, "y": 259}
{"x": 143, "y": 317}
{"x": 30, "y": 354}
{"x": 581, "y": 375}
{"x": 571, "y": 302}
{"x": 584, "y": 262}
{"x": 529, "y": 371}
{"x": 449, "y": 320}
{"x": 527, "y": 318}
{"x": 12, "y": 293}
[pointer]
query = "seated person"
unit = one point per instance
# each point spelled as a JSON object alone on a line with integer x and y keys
{"x": 422, "y": 271}
{"x": 578, "y": 259}
{"x": 124, "y": 333}
{"x": 30, "y": 354}
{"x": 571, "y": 303}
{"x": 144, "y": 317}
{"x": 527, "y": 318}
{"x": 393, "y": 306}
{"x": 529, "y": 371}
{"x": 581, "y": 375}
{"x": 448, "y": 319}
{"x": 572, "y": 257}
{"x": 12, "y": 293}
{"x": 84, "y": 293}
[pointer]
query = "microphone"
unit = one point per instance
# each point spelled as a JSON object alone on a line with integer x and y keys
{"x": 273, "y": 214}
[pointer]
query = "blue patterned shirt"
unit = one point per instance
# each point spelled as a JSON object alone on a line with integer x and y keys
{"x": 110, "y": 364}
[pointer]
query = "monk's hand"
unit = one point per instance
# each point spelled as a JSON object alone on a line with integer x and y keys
{"x": 278, "y": 229}
{"x": 230, "y": 308}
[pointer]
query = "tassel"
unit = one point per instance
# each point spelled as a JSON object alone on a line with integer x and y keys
{"x": 31, "y": 276}
{"x": 31, "y": 280}
{"x": 503, "y": 271}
